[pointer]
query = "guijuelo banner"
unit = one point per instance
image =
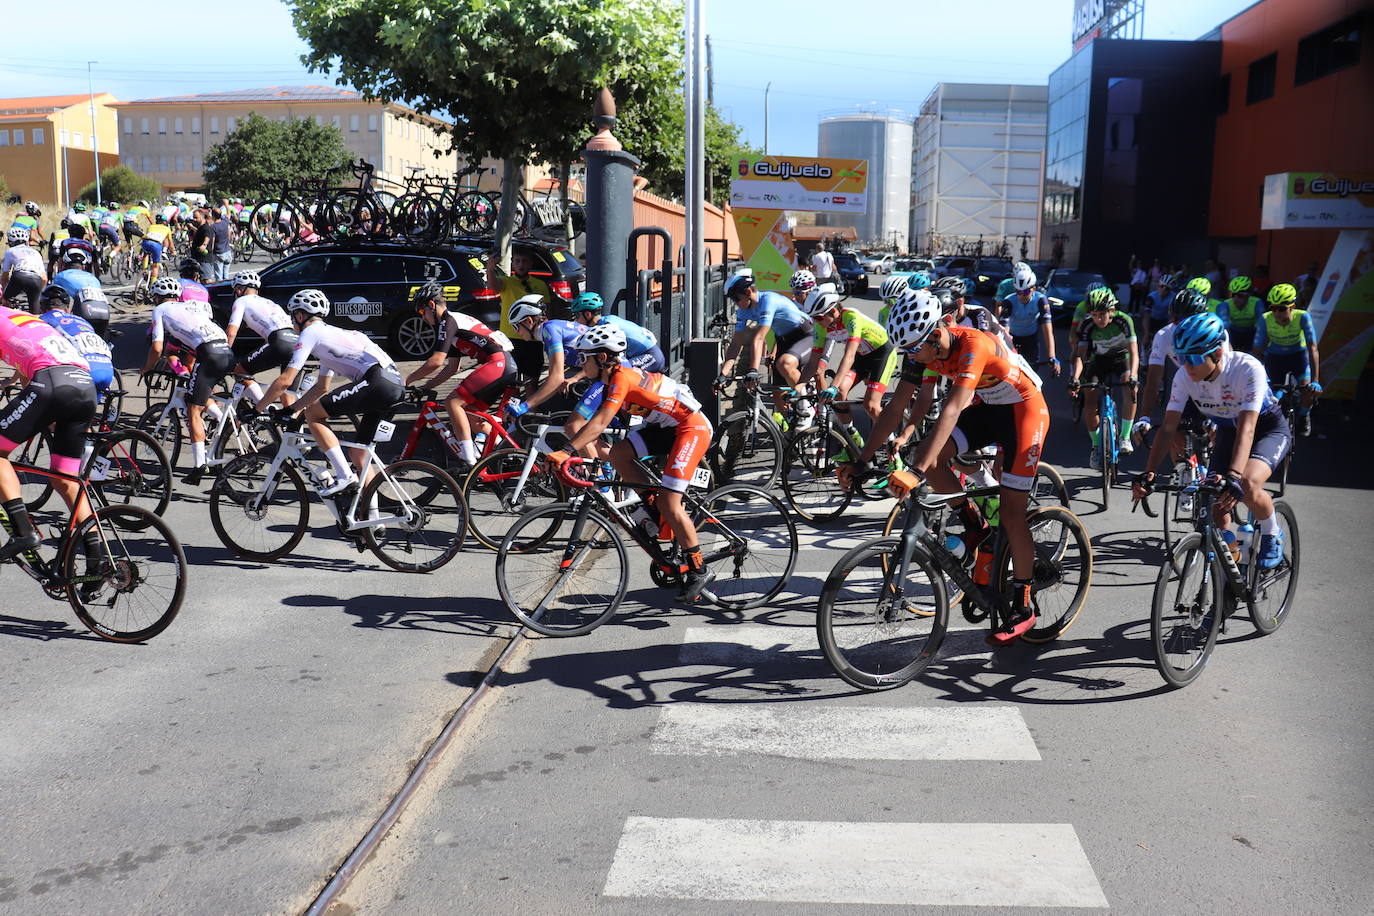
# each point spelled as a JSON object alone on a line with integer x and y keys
{"x": 1317, "y": 200}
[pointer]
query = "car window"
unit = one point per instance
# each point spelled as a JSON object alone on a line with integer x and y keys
{"x": 846, "y": 260}
{"x": 305, "y": 271}
{"x": 421, "y": 270}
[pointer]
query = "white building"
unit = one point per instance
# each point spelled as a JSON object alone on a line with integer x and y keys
{"x": 977, "y": 166}
{"x": 885, "y": 141}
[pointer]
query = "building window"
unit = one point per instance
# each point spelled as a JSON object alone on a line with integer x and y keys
{"x": 4, "y": 138}
{"x": 390, "y": 165}
{"x": 19, "y": 136}
{"x": 181, "y": 163}
{"x": 1333, "y": 48}
{"x": 233, "y": 123}
{"x": 195, "y": 163}
{"x": 179, "y": 125}
{"x": 353, "y": 123}
{"x": 38, "y": 136}
{"x": 195, "y": 125}
{"x": 162, "y": 125}
{"x": 162, "y": 163}
{"x": 1260, "y": 85}
{"x": 336, "y": 121}
{"x": 372, "y": 122}
{"x": 147, "y": 165}
{"x": 214, "y": 126}
{"x": 128, "y": 125}
{"x": 143, "y": 126}
{"x": 78, "y": 138}
{"x": 62, "y": 138}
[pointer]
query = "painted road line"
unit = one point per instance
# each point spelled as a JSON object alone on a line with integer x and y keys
{"x": 855, "y": 863}
{"x": 846, "y": 733}
{"x": 735, "y": 645}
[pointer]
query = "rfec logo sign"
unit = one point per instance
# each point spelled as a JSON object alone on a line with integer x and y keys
{"x": 1087, "y": 15}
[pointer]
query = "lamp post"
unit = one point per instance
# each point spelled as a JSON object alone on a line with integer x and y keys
{"x": 95, "y": 142}
{"x": 766, "y": 90}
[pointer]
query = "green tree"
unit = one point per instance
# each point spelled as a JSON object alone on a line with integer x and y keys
{"x": 123, "y": 184}
{"x": 258, "y": 155}
{"x": 658, "y": 137}
{"x": 517, "y": 77}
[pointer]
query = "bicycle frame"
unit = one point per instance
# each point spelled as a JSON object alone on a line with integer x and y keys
{"x": 34, "y": 565}
{"x": 429, "y": 418}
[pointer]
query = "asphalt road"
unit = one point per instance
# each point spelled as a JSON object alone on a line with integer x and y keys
{"x": 676, "y": 762}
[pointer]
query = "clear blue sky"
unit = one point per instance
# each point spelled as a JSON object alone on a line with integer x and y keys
{"x": 821, "y": 57}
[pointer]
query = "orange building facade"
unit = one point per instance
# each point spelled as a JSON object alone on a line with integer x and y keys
{"x": 1297, "y": 95}
{"x": 48, "y": 149}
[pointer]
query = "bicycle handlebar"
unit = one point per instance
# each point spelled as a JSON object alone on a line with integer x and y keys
{"x": 565, "y": 474}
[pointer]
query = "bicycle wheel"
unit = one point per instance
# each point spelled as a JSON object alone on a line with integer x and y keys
{"x": 490, "y": 491}
{"x": 132, "y": 588}
{"x": 1062, "y": 574}
{"x": 128, "y": 468}
{"x": 1048, "y": 488}
{"x": 258, "y": 517}
{"x": 1273, "y": 590}
{"x": 34, "y": 488}
{"x": 264, "y": 225}
{"x": 557, "y": 586}
{"x": 432, "y": 516}
{"x": 1104, "y": 444}
{"x": 239, "y": 439}
{"x": 872, "y": 638}
{"x": 747, "y": 538}
{"x": 474, "y": 212}
{"x": 167, "y": 433}
{"x": 808, "y": 476}
{"x": 747, "y": 451}
{"x": 1186, "y": 612}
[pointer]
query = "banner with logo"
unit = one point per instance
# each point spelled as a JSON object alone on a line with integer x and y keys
{"x": 1317, "y": 200}
{"x": 1342, "y": 312}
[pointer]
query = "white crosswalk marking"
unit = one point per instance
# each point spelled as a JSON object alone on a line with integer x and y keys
{"x": 855, "y": 863}
{"x": 846, "y": 732}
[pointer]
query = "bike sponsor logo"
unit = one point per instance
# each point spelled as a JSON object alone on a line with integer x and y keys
{"x": 788, "y": 170}
{"x": 1340, "y": 187}
{"x": 358, "y": 308}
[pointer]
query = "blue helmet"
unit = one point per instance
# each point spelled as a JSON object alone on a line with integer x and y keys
{"x": 588, "y": 302}
{"x": 919, "y": 280}
{"x": 1198, "y": 335}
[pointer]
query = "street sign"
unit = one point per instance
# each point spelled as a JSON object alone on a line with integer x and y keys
{"x": 1317, "y": 200}
{"x": 801, "y": 183}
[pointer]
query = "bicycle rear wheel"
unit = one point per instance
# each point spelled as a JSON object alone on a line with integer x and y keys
{"x": 434, "y": 516}
{"x": 493, "y": 505}
{"x": 166, "y": 433}
{"x": 747, "y": 451}
{"x": 1273, "y": 590}
{"x": 1186, "y": 612}
{"x": 132, "y": 588}
{"x": 1062, "y": 572}
{"x": 128, "y": 467}
{"x": 873, "y": 639}
{"x": 256, "y": 516}
{"x": 750, "y": 543}
{"x": 808, "y": 476}
{"x": 265, "y": 226}
{"x": 557, "y": 586}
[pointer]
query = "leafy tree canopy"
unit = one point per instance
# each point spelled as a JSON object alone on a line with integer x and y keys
{"x": 121, "y": 183}
{"x": 260, "y": 154}
{"x": 657, "y": 135}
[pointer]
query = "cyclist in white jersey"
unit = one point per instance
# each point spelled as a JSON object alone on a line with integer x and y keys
{"x": 269, "y": 321}
{"x": 374, "y": 387}
{"x": 193, "y": 329}
{"x": 1186, "y": 302}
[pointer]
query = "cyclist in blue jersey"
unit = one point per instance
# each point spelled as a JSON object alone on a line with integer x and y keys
{"x": 530, "y": 321}
{"x": 641, "y": 350}
{"x": 1286, "y": 341}
{"x": 1027, "y": 314}
{"x": 55, "y": 305}
{"x": 88, "y": 297}
{"x": 764, "y": 321}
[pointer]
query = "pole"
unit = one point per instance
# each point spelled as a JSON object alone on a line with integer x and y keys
{"x": 710, "y": 75}
{"x": 66, "y": 176}
{"x": 695, "y": 98}
{"x": 766, "y": 90}
{"x": 95, "y": 143}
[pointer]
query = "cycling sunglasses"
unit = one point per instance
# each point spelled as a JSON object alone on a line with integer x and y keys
{"x": 1195, "y": 359}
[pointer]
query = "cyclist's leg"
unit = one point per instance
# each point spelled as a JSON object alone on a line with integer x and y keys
{"x": 74, "y": 404}
{"x": 877, "y": 383}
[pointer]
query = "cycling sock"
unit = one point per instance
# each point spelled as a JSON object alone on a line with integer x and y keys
{"x": 197, "y": 454}
{"x": 467, "y": 451}
{"x": 694, "y": 560}
{"x": 212, "y": 409}
{"x": 90, "y": 543}
{"x": 21, "y": 526}
{"x": 338, "y": 462}
{"x": 255, "y": 391}
{"x": 1021, "y": 594}
{"x": 1269, "y": 525}
{"x": 1095, "y": 435}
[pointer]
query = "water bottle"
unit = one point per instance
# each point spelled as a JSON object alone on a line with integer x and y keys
{"x": 1232, "y": 544}
{"x": 1244, "y": 541}
{"x": 955, "y": 545}
{"x": 644, "y": 519}
{"x": 478, "y": 441}
{"x": 982, "y": 564}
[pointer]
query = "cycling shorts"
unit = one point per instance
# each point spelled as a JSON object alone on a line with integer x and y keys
{"x": 376, "y": 393}
{"x": 529, "y": 357}
{"x": 275, "y": 352}
{"x": 214, "y": 360}
{"x": 1281, "y": 365}
{"x": 1108, "y": 368}
{"x": 1019, "y": 428}
{"x": 797, "y": 344}
{"x": 651, "y": 360}
{"x": 681, "y": 447}
{"x": 1273, "y": 440}
{"x": 154, "y": 250}
{"x": 484, "y": 385}
{"x": 131, "y": 232}
{"x": 111, "y": 233}
{"x": 1028, "y": 345}
{"x": 27, "y": 285}
{"x": 876, "y": 368}
{"x": 61, "y": 396}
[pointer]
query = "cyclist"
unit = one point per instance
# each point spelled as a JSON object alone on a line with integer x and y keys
{"x": 1027, "y": 312}
{"x": 641, "y": 346}
{"x": 1080, "y": 311}
{"x": 108, "y": 222}
{"x": 1204, "y": 286}
{"x": 1287, "y": 343}
{"x": 992, "y": 401}
{"x": 865, "y": 354}
{"x": 952, "y": 293}
{"x": 1186, "y": 303}
{"x": 803, "y": 282}
{"x": 892, "y": 287}
{"x": 674, "y": 427}
{"x": 1007, "y": 285}
{"x": 1155, "y": 314}
{"x": 759, "y": 316}
{"x": 77, "y": 240}
{"x": 136, "y": 218}
{"x": 459, "y": 335}
{"x": 516, "y": 285}
{"x": 1252, "y": 435}
{"x": 191, "y": 327}
{"x": 374, "y": 388}
{"x": 1106, "y": 346}
{"x": 556, "y": 336}
{"x": 266, "y": 319}
{"x": 28, "y": 218}
{"x": 55, "y": 305}
{"x": 59, "y": 235}
{"x": 77, "y": 216}
{"x": 88, "y": 297}
{"x": 22, "y": 272}
{"x": 157, "y": 241}
{"x": 192, "y": 289}
{"x": 1241, "y": 313}
{"x": 58, "y": 392}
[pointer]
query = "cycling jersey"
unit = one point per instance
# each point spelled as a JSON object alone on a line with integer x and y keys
{"x": 28, "y": 222}
{"x": 1163, "y": 346}
{"x": 871, "y": 335}
{"x": 1159, "y": 305}
{"x": 347, "y": 353}
{"x": 88, "y": 343}
{"x": 773, "y": 310}
{"x": 660, "y": 400}
{"x": 81, "y": 285}
{"x": 30, "y": 345}
{"x": 110, "y": 219}
{"x": 158, "y": 232}
{"x": 1274, "y": 339}
{"x": 1115, "y": 338}
{"x": 1242, "y": 315}
{"x": 559, "y": 335}
{"x": 23, "y": 259}
{"x": 1026, "y": 317}
{"x": 1241, "y": 384}
{"x": 187, "y": 323}
{"x": 985, "y": 365}
{"x": 260, "y": 313}
{"x": 463, "y": 335}
{"x": 638, "y": 340}
{"x": 191, "y": 291}
{"x": 134, "y": 214}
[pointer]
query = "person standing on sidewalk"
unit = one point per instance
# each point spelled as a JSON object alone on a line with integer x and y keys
{"x": 223, "y": 245}
{"x": 823, "y": 265}
{"x": 201, "y": 242}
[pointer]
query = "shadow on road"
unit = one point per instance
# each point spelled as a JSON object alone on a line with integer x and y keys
{"x": 450, "y": 616}
{"x": 42, "y": 630}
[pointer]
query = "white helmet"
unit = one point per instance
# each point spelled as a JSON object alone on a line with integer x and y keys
{"x": 893, "y": 287}
{"x": 310, "y": 301}
{"x": 526, "y": 307}
{"x": 18, "y": 235}
{"x": 76, "y": 256}
{"x": 820, "y": 301}
{"x": 912, "y": 319}
{"x": 740, "y": 280}
{"x": 601, "y": 337}
{"x": 803, "y": 281}
{"x": 248, "y": 278}
{"x": 1022, "y": 277}
{"x": 166, "y": 286}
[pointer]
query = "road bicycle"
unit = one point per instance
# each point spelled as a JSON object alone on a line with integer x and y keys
{"x": 1108, "y": 432}
{"x": 562, "y": 569}
{"x": 410, "y": 514}
{"x": 749, "y": 444}
{"x": 131, "y": 587}
{"x": 1183, "y": 508}
{"x": 508, "y": 482}
{"x": 1202, "y": 583}
{"x": 441, "y": 446}
{"x": 243, "y": 246}
{"x": 884, "y": 608}
{"x": 1289, "y": 396}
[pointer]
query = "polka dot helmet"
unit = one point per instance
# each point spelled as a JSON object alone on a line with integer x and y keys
{"x": 914, "y": 316}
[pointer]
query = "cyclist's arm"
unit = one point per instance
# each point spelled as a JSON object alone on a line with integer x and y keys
{"x": 851, "y": 347}
{"x": 428, "y": 367}
{"x": 812, "y": 367}
{"x": 1261, "y": 337}
{"x": 1313, "y": 357}
{"x": 594, "y": 427}
{"x": 446, "y": 373}
{"x": 307, "y": 398}
{"x": 1047, "y": 331}
{"x": 759, "y": 345}
{"x": 1163, "y": 438}
{"x": 889, "y": 419}
{"x": 929, "y": 451}
{"x": 552, "y": 382}
{"x": 1134, "y": 360}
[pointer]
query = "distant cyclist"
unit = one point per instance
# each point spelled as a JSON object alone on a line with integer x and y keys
{"x": 952, "y": 294}
{"x": 1105, "y": 350}
{"x": 641, "y": 346}
{"x": 28, "y": 218}
{"x": 266, "y": 319}
{"x": 1287, "y": 342}
{"x": 88, "y": 297}
{"x": 158, "y": 242}
{"x": 766, "y": 321}
{"x": 137, "y": 217}
{"x": 1204, "y": 286}
{"x": 556, "y": 336}
{"x": 892, "y": 288}
{"x": 862, "y": 353}
{"x": 802, "y": 282}
{"x": 22, "y": 273}
{"x": 1241, "y": 313}
{"x": 1027, "y": 313}
{"x": 193, "y": 287}
{"x": 56, "y": 307}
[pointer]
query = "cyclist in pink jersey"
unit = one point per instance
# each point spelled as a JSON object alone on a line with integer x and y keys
{"x": 58, "y": 392}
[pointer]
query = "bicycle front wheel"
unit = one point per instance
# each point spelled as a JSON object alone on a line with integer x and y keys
{"x": 747, "y": 450}
{"x": 1186, "y": 612}
{"x": 431, "y": 516}
{"x": 131, "y": 587}
{"x": 235, "y": 438}
{"x": 495, "y": 497}
{"x": 749, "y": 541}
{"x": 129, "y": 468}
{"x": 1273, "y": 590}
{"x": 165, "y": 432}
{"x": 808, "y": 476}
{"x": 1062, "y": 572}
{"x": 875, "y": 631}
{"x": 257, "y": 515}
{"x": 556, "y": 584}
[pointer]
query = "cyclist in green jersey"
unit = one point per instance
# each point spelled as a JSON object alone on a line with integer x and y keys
{"x": 1105, "y": 345}
{"x": 1286, "y": 340}
{"x": 1241, "y": 313}
{"x": 862, "y": 349}
{"x": 1204, "y": 286}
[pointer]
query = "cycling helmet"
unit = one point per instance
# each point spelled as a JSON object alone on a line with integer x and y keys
{"x": 54, "y": 297}
{"x": 803, "y": 281}
{"x": 952, "y": 283}
{"x": 531, "y": 306}
{"x": 166, "y": 286}
{"x": 189, "y": 267}
{"x": 144, "y": 204}
{"x": 892, "y": 287}
{"x": 1022, "y": 277}
{"x": 248, "y": 278}
{"x": 112, "y": 205}
{"x": 912, "y": 319}
{"x": 431, "y": 291}
{"x": 1240, "y": 285}
{"x": 310, "y": 301}
{"x": 740, "y": 281}
{"x": 1101, "y": 299}
{"x": 948, "y": 304}
{"x": 821, "y": 301}
{"x": 1095, "y": 284}
{"x": 79, "y": 207}
{"x": 1283, "y": 294}
{"x": 1201, "y": 284}
{"x": 1198, "y": 335}
{"x": 1187, "y": 302}
{"x": 606, "y": 337}
{"x": 31, "y": 209}
{"x": 76, "y": 257}
{"x": 160, "y": 218}
{"x": 18, "y": 235}
{"x": 589, "y": 302}
{"x": 919, "y": 280}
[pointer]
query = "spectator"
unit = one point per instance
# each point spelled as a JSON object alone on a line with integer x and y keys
{"x": 1260, "y": 278}
{"x": 1213, "y": 273}
{"x": 1140, "y": 286}
{"x": 823, "y": 264}
{"x": 1312, "y": 271}
{"x": 1155, "y": 273}
{"x": 201, "y": 241}
{"x": 221, "y": 230}
{"x": 1307, "y": 290}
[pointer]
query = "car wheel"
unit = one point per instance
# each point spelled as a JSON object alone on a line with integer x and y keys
{"x": 410, "y": 337}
